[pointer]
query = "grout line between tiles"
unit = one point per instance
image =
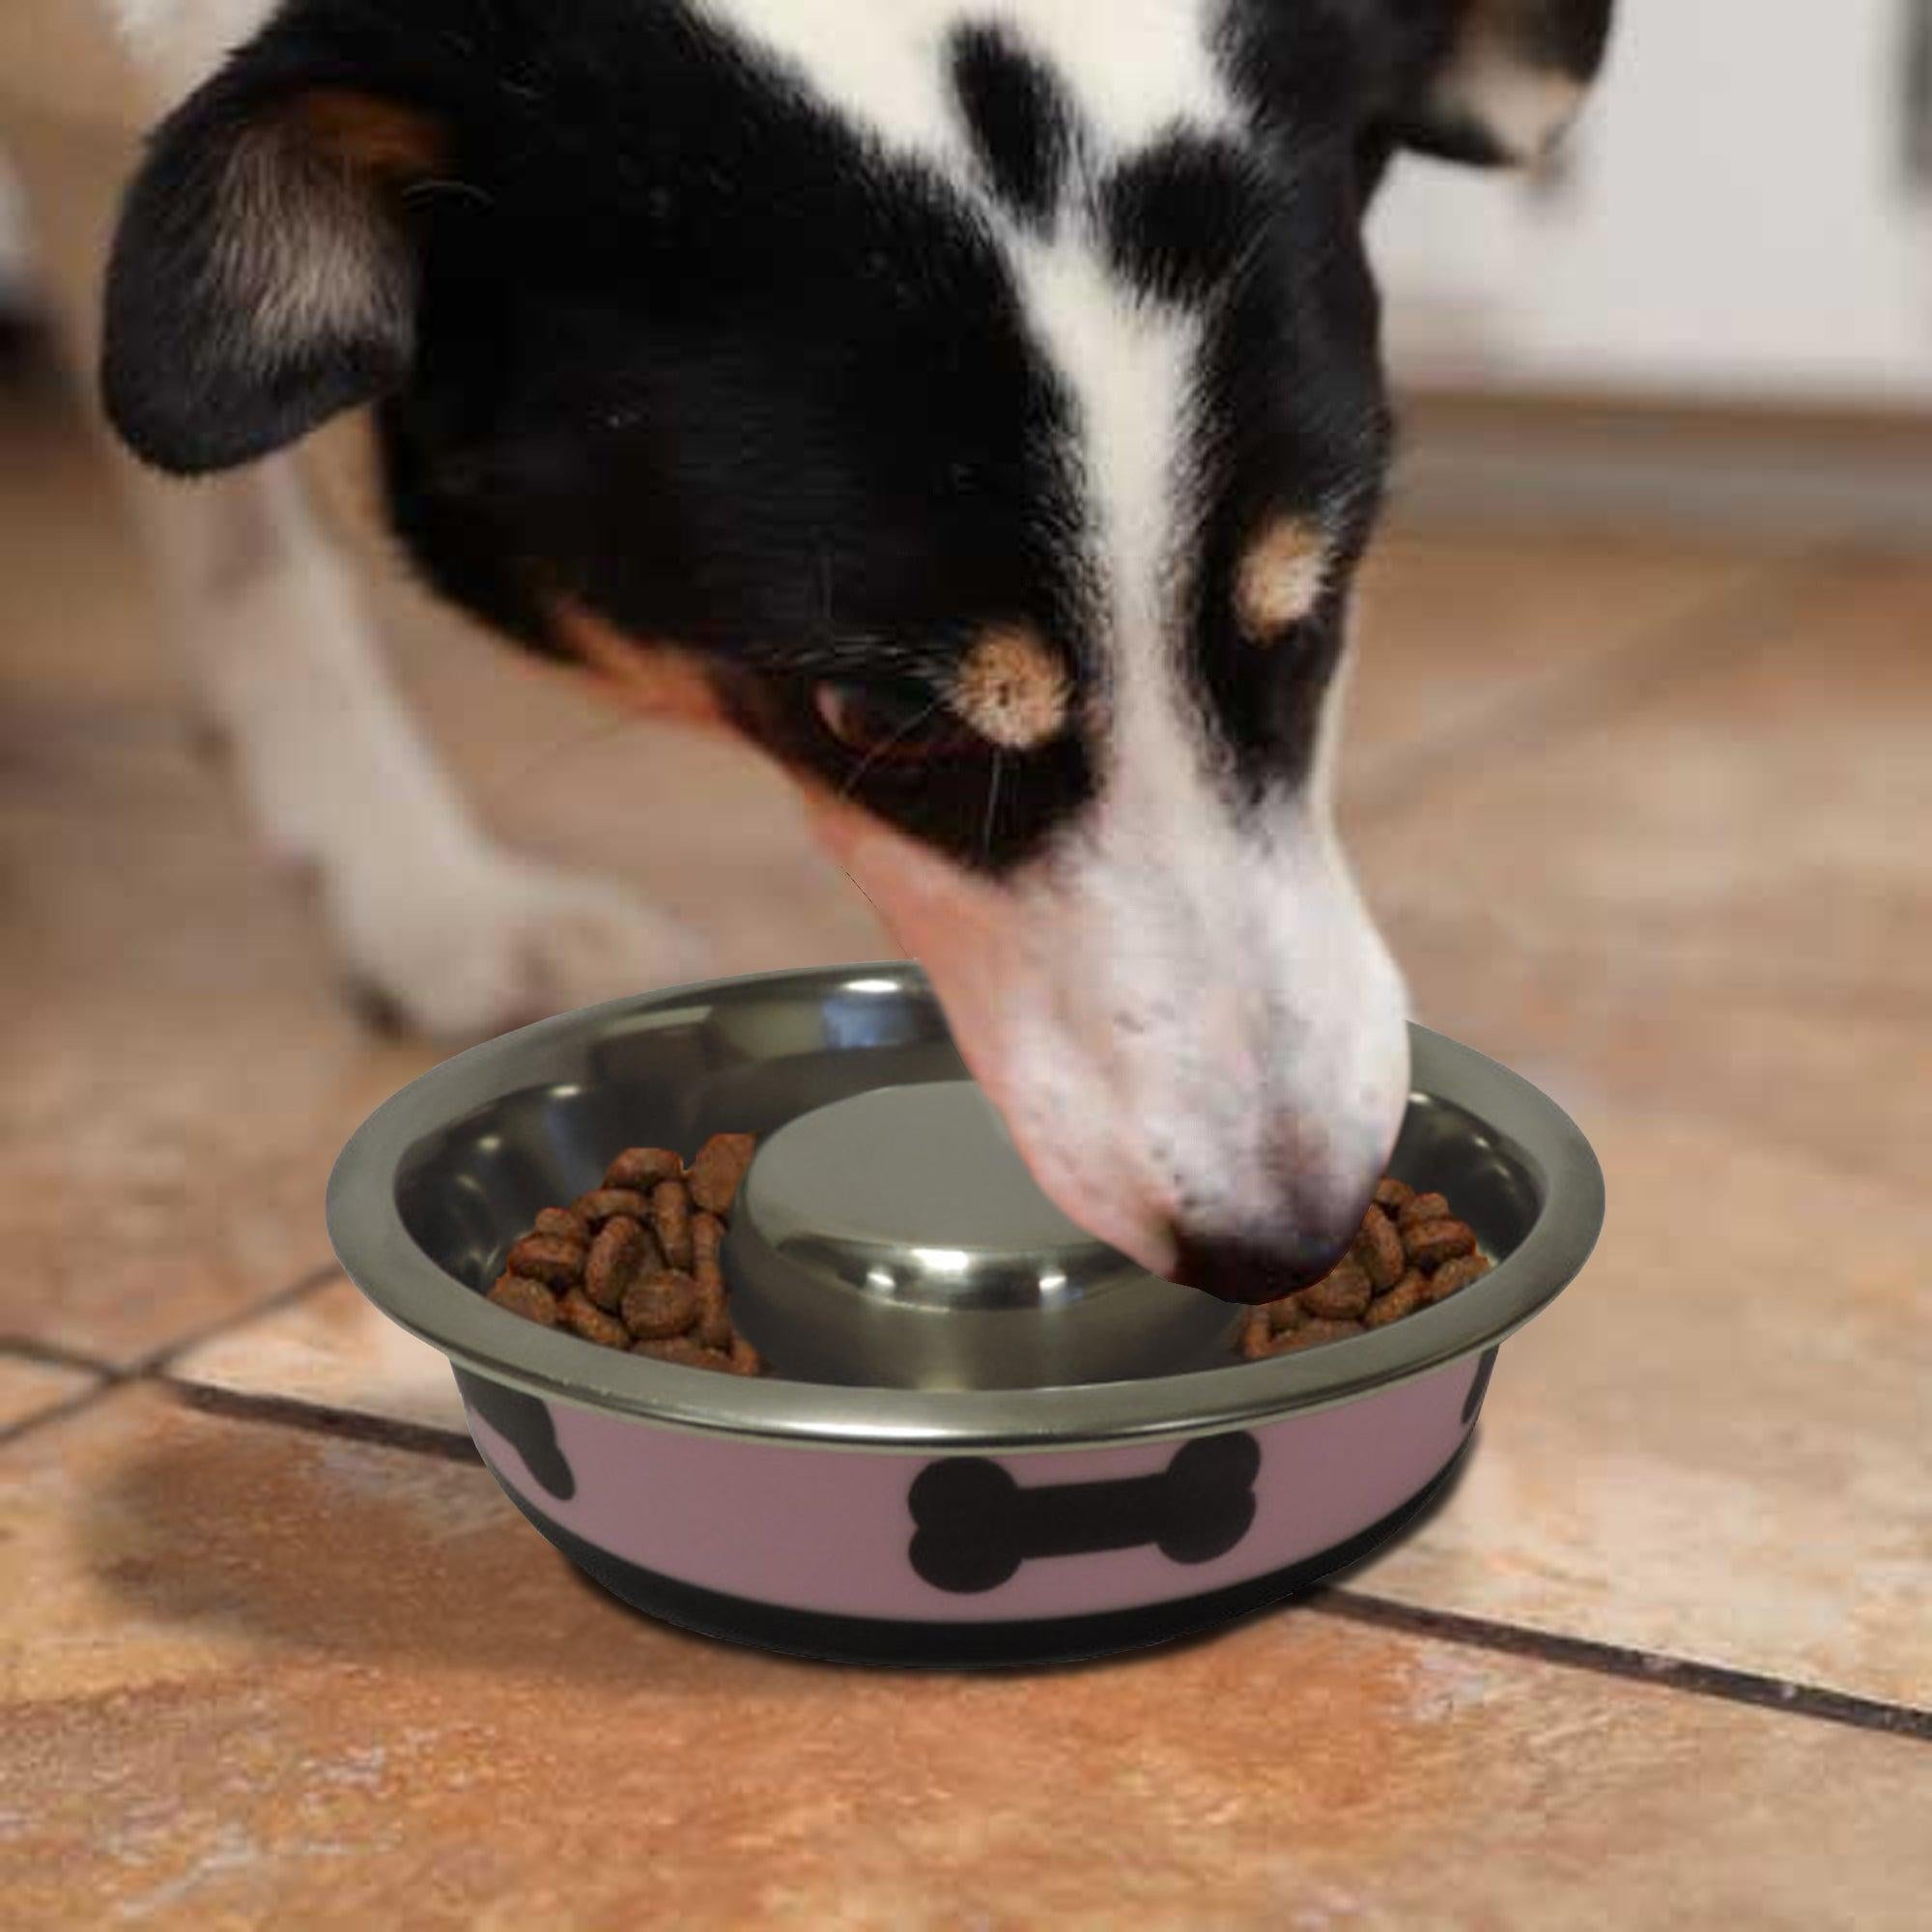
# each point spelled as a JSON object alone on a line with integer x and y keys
{"x": 53, "y": 1355}
{"x": 1608, "y": 1659}
{"x": 1713, "y": 631}
{"x": 157, "y": 1361}
{"x": 1670, "y": 1673}
{"x": 319, "y": 1419}
{"x": 61, "y": 1411}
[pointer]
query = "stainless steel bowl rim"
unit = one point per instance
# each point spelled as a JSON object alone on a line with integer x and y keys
{"x": 385, "y": 1262}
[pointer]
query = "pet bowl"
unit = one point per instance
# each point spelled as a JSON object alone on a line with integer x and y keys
{"x": 987, "y": 1439}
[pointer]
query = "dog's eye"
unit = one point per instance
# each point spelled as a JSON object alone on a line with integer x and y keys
{"x": 892, "y": 724}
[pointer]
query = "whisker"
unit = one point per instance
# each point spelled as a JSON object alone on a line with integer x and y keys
{"x": 885, "y": 745}
{"x": 992, "y": 803}
{"x": 546, "y": 754}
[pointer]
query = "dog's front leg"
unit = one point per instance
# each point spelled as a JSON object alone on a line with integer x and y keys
{"x": 456, "y": 934}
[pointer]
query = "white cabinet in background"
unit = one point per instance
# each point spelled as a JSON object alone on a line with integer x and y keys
{"x": 1735, "y": 221}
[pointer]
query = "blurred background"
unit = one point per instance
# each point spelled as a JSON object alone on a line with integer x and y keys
{"x": 1638, "y": 782}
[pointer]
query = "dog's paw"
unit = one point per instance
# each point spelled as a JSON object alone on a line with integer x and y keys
{"x": 466, "y": 951}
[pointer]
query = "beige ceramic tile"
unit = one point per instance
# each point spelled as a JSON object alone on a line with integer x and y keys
{"x": 333, "y": 1349}
{"x": 1752, "y": 825}
{"x": 29, "y": 1389}
{"x": 74, "y": 610}
{"x": 1454, "y": 627}
{"x": 180, "y": 1067}
{"x": 1713, "y": 1446}
{"x": 257, "y": 1677}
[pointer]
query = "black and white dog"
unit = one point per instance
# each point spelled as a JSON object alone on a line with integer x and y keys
{"x": 976, "y": 403}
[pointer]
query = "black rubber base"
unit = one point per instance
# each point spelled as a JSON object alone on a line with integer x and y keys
{"x": 963, "y": 1645}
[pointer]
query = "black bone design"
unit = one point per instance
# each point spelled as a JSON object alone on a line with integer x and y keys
{"x": 527, "y": 1426}
{"x": 975, "y": 1525}
{"x": 1479, "y": 1388}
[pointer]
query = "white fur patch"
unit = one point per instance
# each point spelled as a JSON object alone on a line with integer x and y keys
{"x": 306, "y": 253}
{"x": 1136, "y": 66}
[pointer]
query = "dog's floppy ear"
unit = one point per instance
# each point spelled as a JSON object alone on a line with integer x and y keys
{"x": 1494, "y": 81}
{"x": 264, "y": 276}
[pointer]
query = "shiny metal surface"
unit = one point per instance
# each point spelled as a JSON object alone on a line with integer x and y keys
{"x": 428, "y": 1195}
{"x": 896, "y": 1240}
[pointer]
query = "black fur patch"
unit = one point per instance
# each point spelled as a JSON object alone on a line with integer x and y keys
{"x": 1179, "y": 215}
{"x": 1017, "y": 113}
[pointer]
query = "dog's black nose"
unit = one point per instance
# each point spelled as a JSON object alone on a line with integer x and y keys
{"x": 1238, "y": 1269}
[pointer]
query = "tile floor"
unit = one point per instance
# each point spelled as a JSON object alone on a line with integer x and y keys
{"x": 1644, "y": 816}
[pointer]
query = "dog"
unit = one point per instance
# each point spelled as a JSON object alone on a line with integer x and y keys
{"x": 978, "y": 407}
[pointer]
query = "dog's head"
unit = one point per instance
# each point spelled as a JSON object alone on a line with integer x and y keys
{"x": 978, "y": 407}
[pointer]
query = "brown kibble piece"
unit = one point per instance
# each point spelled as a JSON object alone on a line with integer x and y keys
{"x": 1342, "y": 1296}
{"x": 1457, "y": 1275}
{"x": 1421, "y": 1207}
{"x": 1408, "y": 1294}
{"x": 605, "y": 1204}
{"x": 530, "y": 1299}
{"x": 1286, "y": 1314}
{"x": 545, "y": 1259}
{"x": 670, "y": 1219}
{"x": 563, "y": 1224}
{"x": 641, "y": 1169}
{"x": 585, "y": 1317}
{"x": 1378, "y": 1251}
{"x": 707, "y": 1241}
{"x": 1410, "y": 1252}
{"x": 718, "y": 1170}
{"x": 1392, "y": 1196}
{"x": 622, "y": 1252}
{"x": 679, "y": 1349}
{"x": 745, "y": 1359}
{"x": 713, "y": 1327}
{"x": 1311, "y": 1334}
{"x": 1431, "y": 1243}
{"x": 661, "y": 1305}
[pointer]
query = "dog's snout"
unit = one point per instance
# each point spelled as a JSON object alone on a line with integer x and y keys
{"x": 1242, "y": 1269}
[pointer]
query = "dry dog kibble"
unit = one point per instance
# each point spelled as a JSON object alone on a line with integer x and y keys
{"x": 1457, "y": 1275}
{"x": 1409, "y": 1253}
{"x": 634, "y": 1263}
{"x": 544, "y": 1258}
{"x": 1408, "y": 1294}
{"x": 718, "y": 1170}
{"x": 682, "y": 1349}
{"x": 1379, "y": 1250}
{"x": 670, "y": 1218}
{"x": 564, "y": 1224}
{"x": 1312, "y": 1334}
{"x": 1343, "y": 1295}
{"x": 530, "y": 1299}
{"x": 583, "y": 1317}
{"x": 606, "y": 1204}
{"x": 1392, "y": 1196}
{"x": 641, "y": 1169}
{"x": 623, "y": 1250}
{"x": 661, "y": 1305}
{"x": 1420, "y": 1208}
{"x": 1434, "y": 1242}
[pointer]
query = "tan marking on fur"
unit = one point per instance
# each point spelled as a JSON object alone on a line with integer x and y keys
{"x": 1012, "y": 691}
{"x": 657, "y": 679}
{"x": 362, "y": 130}
{"x": 1281, "y": 579}
{"x": 1522, "y": 106}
